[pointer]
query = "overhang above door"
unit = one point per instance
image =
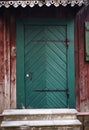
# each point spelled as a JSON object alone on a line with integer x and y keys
{"x": 32, "y": 3}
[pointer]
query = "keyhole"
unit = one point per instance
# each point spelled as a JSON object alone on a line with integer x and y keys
{"x": 30, "y": 75}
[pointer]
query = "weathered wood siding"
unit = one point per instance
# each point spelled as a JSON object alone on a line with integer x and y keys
{"x": 1, "y": 65}
{"x": 82, "y": 67}
{"x": 8, "y": 51}
{"x": 7, "y": 62}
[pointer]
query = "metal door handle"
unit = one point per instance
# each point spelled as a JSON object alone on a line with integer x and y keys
{"x": 29, "y": 75}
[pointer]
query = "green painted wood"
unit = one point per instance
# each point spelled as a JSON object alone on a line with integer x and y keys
{"x": 87, "y": 40}
{"x": 71, "y": 70}
{"x": 20, "y": 65}
{"x": 50, "y": 61}
{"x": 46, "y": 60}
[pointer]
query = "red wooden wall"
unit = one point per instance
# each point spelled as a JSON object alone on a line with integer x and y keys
{"x": 8, "y": 51}
{"x": 1, "y": 65}
{"x": 82, "y": 67}
{"x": 7, "y": 61}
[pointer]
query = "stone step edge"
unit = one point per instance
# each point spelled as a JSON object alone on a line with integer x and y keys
{"x": 39, "y": 117}
{"x": 12, "y": 112}
{"x": 46, "y": 123}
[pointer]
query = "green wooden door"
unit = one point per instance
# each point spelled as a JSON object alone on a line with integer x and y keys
{"x": 43, "y": 65}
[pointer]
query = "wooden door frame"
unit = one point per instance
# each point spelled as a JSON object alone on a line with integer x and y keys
{"x": 20, "y": 47}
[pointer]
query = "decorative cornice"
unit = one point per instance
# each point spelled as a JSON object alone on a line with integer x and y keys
{"x": 48, "y": 3}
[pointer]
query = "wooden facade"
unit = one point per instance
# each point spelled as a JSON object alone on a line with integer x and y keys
{"x": 82, "y": 67}
{"x": 8, "y": 50}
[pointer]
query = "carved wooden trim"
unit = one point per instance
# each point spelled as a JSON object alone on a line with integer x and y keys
{"x": 40, "y": 3}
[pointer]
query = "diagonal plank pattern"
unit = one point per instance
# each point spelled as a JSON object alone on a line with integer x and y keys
{"x": 46, "y": 59}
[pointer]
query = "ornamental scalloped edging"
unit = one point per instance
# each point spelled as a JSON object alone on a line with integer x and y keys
{"x": 40, "y": 3}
